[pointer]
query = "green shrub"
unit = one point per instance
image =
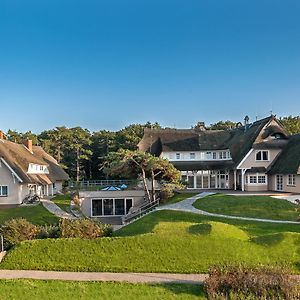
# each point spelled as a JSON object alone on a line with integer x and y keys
{"x": 83, "y": 228}
{"x": 49, "y": 232}
{"x": 251, "y": 283}
{"x": 15, "y": 231}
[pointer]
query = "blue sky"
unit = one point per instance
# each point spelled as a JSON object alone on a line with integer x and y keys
{"x": 107, "y": 64}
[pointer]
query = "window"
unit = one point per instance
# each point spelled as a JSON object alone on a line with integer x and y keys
{"x": 256, "y": 179}
{"x": 214, "y": 155}
{"x": 3, "y": 190}
{"x": 177, "y": 155}
{"x": 208, "y": 155}
{"x": 252, "y": 179}
{"x": 261, "y": 179}
{"x": 111, "y": 207}
{"x": 291, "y": 180}
{"x": 262, "y": 155}
{"x": 192, "y": 155}
{"x": 41, "y": 168}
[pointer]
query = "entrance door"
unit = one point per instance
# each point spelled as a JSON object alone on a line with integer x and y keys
{"x": 279, "y": 182}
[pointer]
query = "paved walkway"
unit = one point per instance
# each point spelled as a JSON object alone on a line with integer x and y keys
{"x": 187, "y": 206}
{"x": 56, "y": 210}
{"x": 101, "y": 276}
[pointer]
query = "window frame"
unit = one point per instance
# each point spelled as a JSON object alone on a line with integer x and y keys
{"x": 291, "y": 182}
{"x": 1, "y": 191}
{"x": 261, "y": 152}
{"x": 114, "y": 206}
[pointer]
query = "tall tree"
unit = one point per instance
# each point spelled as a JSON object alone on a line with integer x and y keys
{"x": 291, "y": 124}
{"x": 222, "y": 125}
{"x": 129, "y": 137}
{"x": 141, "y": 164}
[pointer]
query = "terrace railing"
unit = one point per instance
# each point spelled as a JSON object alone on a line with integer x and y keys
{"x": 96, "y": 184}
{"x": 140, "y": 211}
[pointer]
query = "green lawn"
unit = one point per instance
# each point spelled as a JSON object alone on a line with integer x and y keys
{"x": 38, "y": 289}
{"x": 166, "y": 241}
{"x": 178, "y": 197}
{"x": 36, "y": 214}
{"x": 63, "y": 201}
{"x": 249, "y": 206}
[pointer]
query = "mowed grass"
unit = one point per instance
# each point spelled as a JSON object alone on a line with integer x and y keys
{"x": 38, "y": 289}
{"x": 178, "y": 197}
{"x": 166, "y": 241}
{"x": 36, "y": 214}
{"x": 63, "y": 201}
{"x": 249, "y": 206}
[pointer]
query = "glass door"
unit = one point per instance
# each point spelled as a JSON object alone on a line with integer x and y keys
{"x": 279, "y": 182}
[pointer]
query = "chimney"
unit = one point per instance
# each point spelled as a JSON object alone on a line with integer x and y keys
{"x": 200, "y": 126}
{"x": 28, "y": 144}
{"x": 246, "y": 123}
{"x": 1, "y": 135}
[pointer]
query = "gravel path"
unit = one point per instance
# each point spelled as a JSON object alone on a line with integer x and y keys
{"x": 99, "y": 276}
{"x": 187, "y": 206}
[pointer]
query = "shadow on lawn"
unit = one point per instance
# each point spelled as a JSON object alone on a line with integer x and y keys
{"x": 189, "y": 289}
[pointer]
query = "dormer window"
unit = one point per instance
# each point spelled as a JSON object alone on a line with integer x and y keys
{"x": 277, "y": 136}
{"x": 262, "y": 155}
{"x": 177, "y": 155}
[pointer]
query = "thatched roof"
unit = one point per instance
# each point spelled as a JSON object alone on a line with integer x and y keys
{"x": 19, "y": 157}
{"x": 288, "y": 162}
{"x": 239, "y": 141}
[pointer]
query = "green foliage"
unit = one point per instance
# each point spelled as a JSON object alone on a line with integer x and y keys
{"x": 251, "y": 283}
{"x": 83, "y": 228}
{"x": 167, "y": 247}
{"x": 249, "y": 206}
{"x": 141, "y": 164}
{"x": 291, "y": 124}
{"x": 223, "y": 125}
{"x": 268, "y": 239}
{"x": 49, "y": 232}
{"x": 17, "y": 230}
{"x": 56, "y": 289}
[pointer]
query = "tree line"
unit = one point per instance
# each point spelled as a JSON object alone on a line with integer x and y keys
{"x": 84, "y": 154}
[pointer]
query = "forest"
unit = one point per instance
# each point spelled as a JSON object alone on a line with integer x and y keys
{"x": 83, "y": 154}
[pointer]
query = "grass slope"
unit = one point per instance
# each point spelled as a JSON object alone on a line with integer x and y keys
{"x": 36, "y": 214}
{"x": 172, "y": 244}
{"x": 37, "y": 289}
{"x": 249, "y": 206}
{"x": 63, "y": 201}
{"x": 178, "y": 197}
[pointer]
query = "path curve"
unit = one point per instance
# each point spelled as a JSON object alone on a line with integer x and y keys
{"x": 187, "y": 206}
{"x": 102, "y": 276}
{"x": 56, "y": 210}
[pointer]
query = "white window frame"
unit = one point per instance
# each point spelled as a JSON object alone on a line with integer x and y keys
{"x": 268, "y": 153}
{"x": 255, "y": 179}
{"x": 177, "y": 155}
{"x": 1, "y": 191}
{"x": 291, "y": 180}
{"x": 192, "y": 155}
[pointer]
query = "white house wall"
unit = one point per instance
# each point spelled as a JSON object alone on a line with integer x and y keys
{"x": 251, "y": 161}
{"x": 16, "y": 191}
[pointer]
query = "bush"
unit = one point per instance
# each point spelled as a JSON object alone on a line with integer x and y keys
{"x": 246, "y": 283}
{"x": 15, "y": 231}
{"x": 49, "y": 232}
{"x": 83, "y": 228}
